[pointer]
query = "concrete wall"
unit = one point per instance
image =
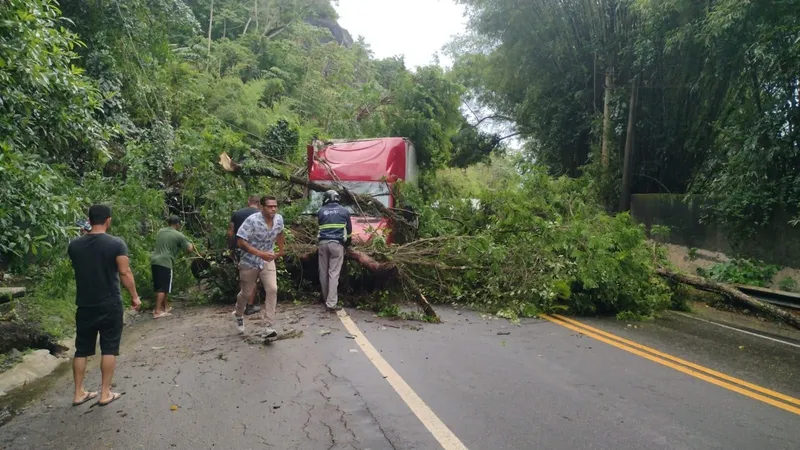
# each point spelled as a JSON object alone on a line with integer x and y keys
{"x": 778, "y": 243}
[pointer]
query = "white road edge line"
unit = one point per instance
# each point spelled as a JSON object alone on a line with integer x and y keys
{"x": 737, "y": 329}
{"x": 437, "y": 428}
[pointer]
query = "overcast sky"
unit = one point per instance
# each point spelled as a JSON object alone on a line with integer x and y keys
{"x": 415, "y": 28}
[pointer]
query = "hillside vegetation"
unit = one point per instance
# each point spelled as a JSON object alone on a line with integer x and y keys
{"x": 131, "y": 103}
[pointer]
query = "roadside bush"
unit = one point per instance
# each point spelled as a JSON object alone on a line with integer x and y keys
{"x": 741, "y": 271}
{"x": 788, "y": 284}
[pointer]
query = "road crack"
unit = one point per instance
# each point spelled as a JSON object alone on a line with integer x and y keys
{"x": 366, "y": 406}
{"x": 305, "y": 425}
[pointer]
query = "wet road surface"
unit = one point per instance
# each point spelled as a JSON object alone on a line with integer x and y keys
{"x": 492, "y": 384}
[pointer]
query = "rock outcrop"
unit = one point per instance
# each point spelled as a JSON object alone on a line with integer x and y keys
{"x": 340, "y": 35}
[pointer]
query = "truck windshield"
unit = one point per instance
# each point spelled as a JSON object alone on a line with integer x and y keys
{"x": 376, "y": 189}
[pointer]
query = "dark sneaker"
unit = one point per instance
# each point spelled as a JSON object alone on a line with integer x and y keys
{"x": 251, "y": 309}
{"x": 333, "y": 309}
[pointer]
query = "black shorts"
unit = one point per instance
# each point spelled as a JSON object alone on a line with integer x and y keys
{"x": 162, "y": 279}
{"x": 103, "y": 319}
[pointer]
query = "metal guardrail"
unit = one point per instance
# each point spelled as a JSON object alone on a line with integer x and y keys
{"x": 779, "y": 298}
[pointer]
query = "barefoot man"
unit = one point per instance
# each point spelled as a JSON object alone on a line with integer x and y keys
{"x": 100, "y": 261}
{"x": 169, "y": 243}
{"x": 257, "y": 237}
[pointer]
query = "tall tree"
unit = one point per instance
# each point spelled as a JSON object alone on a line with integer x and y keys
{"x": 718, "y": 91}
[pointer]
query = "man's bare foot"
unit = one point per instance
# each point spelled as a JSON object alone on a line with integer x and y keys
{"x": 83, "y": 397}
{"x": 113, "y": 396}
{"x": 161, "y": 314}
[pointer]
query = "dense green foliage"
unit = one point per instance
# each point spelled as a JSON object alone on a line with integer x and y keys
{"x": 717, "y": 113}
{"x": 47, "y": 125}
{"x": 131, "y": 102}
{"x": 534, "y": 243}
{"x": 742, "y": 271}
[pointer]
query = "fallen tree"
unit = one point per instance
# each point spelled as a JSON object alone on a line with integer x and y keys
{"x": 535, "y": 244}
{"x": 525, "y": 251}
{"x": 733, "y": 294}
{"x": 304, "y": 245}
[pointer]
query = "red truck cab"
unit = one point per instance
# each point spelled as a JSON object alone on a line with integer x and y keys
{"x": 368, "y": 167}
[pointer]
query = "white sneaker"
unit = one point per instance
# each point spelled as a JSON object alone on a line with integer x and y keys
{"x": 239, "y": 323}
{"x": 269, "y": 332}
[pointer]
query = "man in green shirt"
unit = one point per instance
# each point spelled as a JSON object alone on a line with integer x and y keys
{"x": 169, "y": 243}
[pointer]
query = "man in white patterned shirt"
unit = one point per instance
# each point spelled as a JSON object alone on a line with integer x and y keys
{"x": 257, "y": 238}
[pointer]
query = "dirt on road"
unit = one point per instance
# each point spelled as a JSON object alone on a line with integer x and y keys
{"x": 191, "y": 381}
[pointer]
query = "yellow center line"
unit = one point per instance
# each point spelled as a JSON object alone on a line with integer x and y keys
{"x": 584, "y": 329}
{"x": 712, "y": 372}
{"x": 437, "y": 428}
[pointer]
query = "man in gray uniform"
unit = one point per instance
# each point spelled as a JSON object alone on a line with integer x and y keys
{"x": 335, "y": 229}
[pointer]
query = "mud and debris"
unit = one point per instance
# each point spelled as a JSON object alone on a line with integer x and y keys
{"x": 204, "y": 372}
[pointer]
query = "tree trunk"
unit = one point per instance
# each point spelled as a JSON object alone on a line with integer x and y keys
{"x": 255, "y": 9}
{"x": 733, "y": 294}
{"x": 210, "y": 26}
{"x": 369, "y": 263}
{"x": 249, "y": 19}
{"x": 627, "y": 166}
{"x": 609, "y": 87}
{"x": 419, "y": 297}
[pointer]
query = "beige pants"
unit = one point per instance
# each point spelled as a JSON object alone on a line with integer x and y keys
{"x": 331, "y": 256}
{"x": 247, "y": 285}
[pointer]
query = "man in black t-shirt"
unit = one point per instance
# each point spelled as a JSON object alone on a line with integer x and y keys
{"x": 237, "y": 219}
{"x": 100, "y": 261}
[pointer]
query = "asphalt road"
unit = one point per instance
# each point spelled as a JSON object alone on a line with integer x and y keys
{"x": 542, "y": 386}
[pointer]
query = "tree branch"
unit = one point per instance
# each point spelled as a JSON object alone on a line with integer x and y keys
{"x": 347, "y": 196}
{"x": 492, "y": 117}
{"x": 509, "y": 136}
{"x": 470, "y": 109}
